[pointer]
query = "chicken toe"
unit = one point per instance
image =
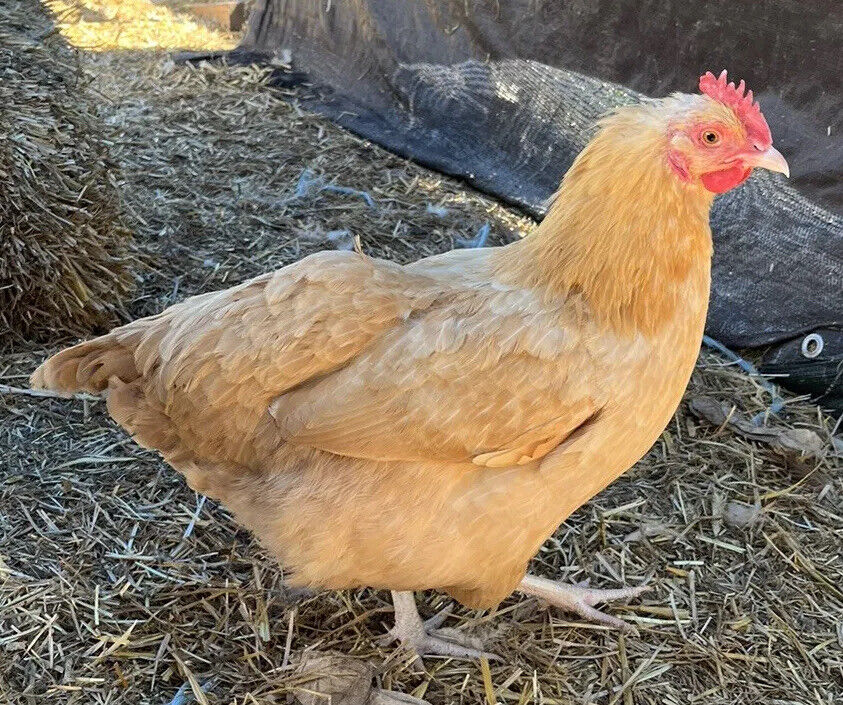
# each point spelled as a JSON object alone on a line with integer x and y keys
{"x": 580, "y": 600}
{"x": 426, "y": 638}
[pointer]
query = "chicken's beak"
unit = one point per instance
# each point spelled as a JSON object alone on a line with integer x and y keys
{"x": 770, "y": 159}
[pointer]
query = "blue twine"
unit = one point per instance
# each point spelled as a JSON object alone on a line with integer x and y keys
{"x": 777, "y": 403}
{"x": 479, "y": 240}
{"x": 304, "y": 183}
{"x": 180, "y": 697}
{"x": 438, "y": 211}
{"x": 308, "y": 182}
{"x": 342, "y": 239}
{"x": 184, "y": 696}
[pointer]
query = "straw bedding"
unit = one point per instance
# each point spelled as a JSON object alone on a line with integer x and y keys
{"x": 63, "y": 247}
{"x": 118, "y": 585}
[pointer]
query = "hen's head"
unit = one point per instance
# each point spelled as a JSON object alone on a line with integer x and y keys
{"x": 719, "y": 137}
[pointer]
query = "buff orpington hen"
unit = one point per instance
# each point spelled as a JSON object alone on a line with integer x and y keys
{"x": 428, "y": 426}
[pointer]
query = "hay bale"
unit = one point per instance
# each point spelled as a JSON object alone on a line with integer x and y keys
{"x": 63, "y": 247}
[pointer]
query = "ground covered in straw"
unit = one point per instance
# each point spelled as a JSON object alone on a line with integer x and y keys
{"x": 119, "y": 585}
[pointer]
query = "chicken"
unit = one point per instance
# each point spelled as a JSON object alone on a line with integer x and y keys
{"x": 429, "y": 426}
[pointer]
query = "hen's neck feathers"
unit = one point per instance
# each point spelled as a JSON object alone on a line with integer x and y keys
{"x": 623, "y": 233}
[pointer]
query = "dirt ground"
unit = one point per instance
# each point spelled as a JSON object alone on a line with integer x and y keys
{"x": 119, "y": 585}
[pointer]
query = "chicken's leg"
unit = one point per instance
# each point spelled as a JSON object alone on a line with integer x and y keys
{"x": 580, "y": 600}
{"x": 426, "y": 637}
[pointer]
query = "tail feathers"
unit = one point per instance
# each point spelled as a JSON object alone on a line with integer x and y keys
{"x": 144, "y": 418}
{"x": 129, "y": 406}
{"x": 87, "y": 367}
{"x": 107, "y": 366}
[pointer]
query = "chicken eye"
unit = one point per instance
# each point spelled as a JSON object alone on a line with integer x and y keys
{"x": 710, "y": 137}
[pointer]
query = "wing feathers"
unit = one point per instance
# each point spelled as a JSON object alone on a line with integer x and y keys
{"x": 356, "y": 357}
{"x": 454, "y": 384}
{"x": 538, "y": 442}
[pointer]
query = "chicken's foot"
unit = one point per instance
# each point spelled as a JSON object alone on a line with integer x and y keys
{"x": 426, "y": 637}
{"x": 580, "y": 600}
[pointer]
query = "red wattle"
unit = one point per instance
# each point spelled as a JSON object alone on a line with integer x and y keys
{"x": 725, "y": 179}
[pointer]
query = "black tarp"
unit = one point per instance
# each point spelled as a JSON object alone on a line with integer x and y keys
{"x": 504, "y": 94}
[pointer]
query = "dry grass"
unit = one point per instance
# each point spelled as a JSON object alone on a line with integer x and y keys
{"x": 118, "y": 585}
{"x": 63, "y": 247}
{"x": 108, "y": 25}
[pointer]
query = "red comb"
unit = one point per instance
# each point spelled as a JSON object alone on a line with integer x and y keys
{"x": 747, "y": 111}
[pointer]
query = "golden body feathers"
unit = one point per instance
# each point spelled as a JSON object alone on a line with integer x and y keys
{"x": 427, "y": 426}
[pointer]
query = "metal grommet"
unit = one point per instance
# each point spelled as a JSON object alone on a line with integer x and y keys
{"x": 812, "y": 345}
